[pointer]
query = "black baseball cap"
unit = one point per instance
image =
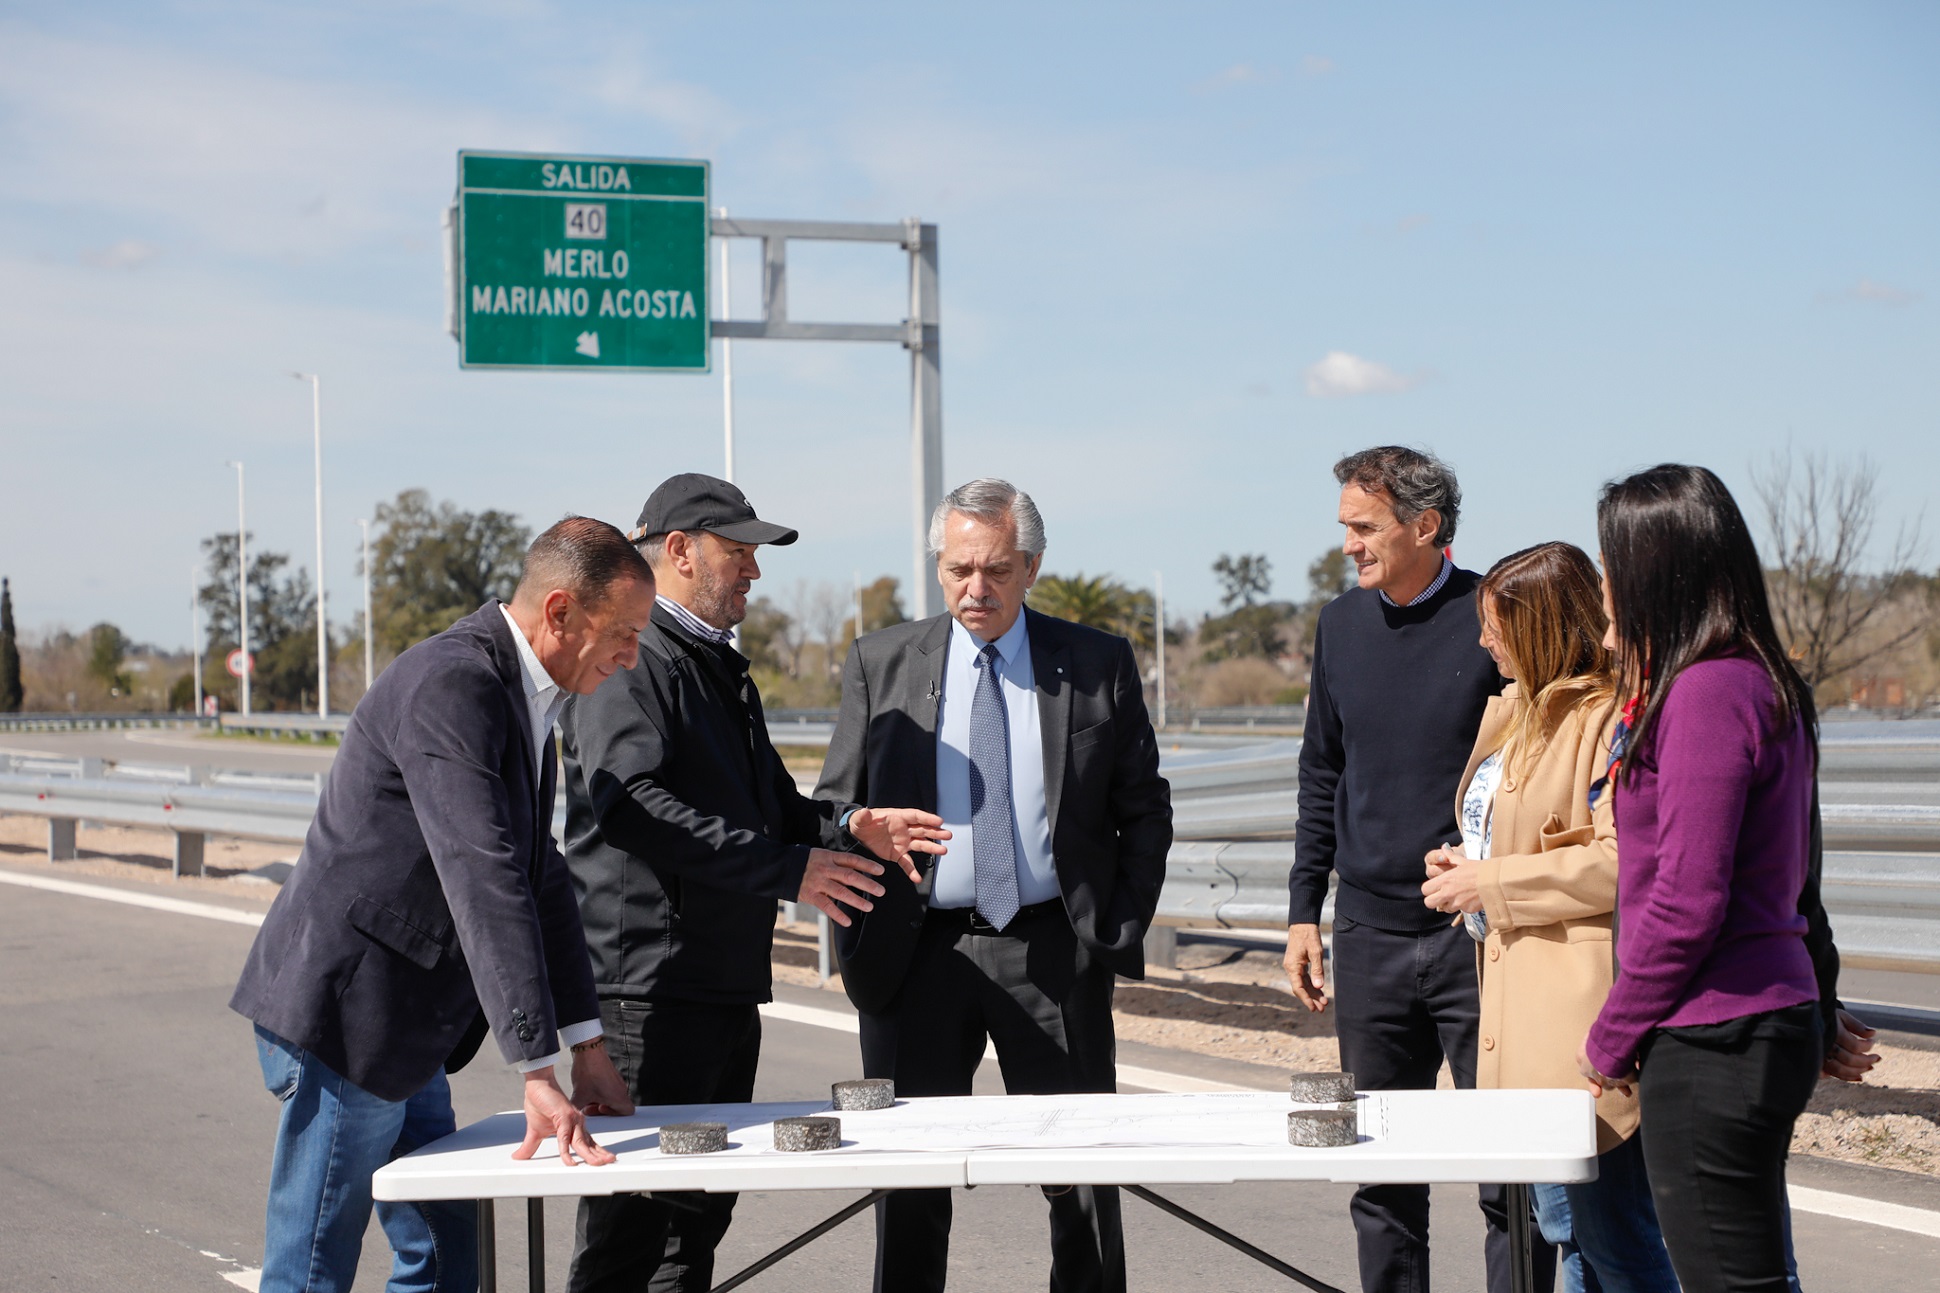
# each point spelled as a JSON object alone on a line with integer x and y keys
{"x": 692, "y": 501}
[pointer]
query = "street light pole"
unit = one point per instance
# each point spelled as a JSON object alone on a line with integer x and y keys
{"x": 323, "y": 631}
{"x": 365, "y": 526}
{"x": 727, "y": 355}
{"x": 242, "y": 587}
{"x": 1158, "y": 614}
{"x": 195, "y": 634}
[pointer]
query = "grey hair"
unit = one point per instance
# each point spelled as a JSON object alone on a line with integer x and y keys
{"x": 1415, "y": 482}
{"x": 991, "y": 501}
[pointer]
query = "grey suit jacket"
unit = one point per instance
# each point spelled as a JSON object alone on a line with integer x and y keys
{"x": 430, "y": 899}
{"x": 1110, "y": 810}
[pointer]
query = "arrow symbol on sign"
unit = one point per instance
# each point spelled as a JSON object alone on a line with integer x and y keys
{"x": 589, "y": 345}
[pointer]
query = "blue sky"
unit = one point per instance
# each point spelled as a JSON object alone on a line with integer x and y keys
{"x": 1190, "y": 254}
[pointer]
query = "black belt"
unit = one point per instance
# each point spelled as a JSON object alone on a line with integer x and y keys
{"x": 971, "y": 921}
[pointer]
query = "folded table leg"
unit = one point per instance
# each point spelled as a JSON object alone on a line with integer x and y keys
{"x": 487, "y": 1248}
{"x": 806, "y": 1237}
{"x": 1259, "y": 1255}
{"x": 1522, "y": 1274}
{"x": 535, "y": 1245}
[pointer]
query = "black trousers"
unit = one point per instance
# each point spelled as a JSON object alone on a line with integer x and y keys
{"x": 1403, "y": 1002}
{"x": 1718, "y": 1104}
{"x": 1039, "y": 996}
{"x": 669, "y": 1052}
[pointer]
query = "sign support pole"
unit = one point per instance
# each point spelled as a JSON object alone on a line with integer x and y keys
{"x": 920, "y": 333}
{"x": 925, "y": 409}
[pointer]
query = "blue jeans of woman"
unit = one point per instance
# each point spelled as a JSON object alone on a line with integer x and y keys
{"x": 1606, "y": 1229}
{"x": 331, "y": 1137}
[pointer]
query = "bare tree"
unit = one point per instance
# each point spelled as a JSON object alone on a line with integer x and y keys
{"x": 791, "y": 633}
{"x": 1821, "y": 515}
{"x": 829, "y": 620}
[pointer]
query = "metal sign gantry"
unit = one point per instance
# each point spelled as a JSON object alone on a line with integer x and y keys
{"x": 919, "y": 333}
{"x": 562, "y": 325}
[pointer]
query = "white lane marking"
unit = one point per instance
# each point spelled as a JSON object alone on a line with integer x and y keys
{"x": 1848, "y": 1207}
{"x": 154, "y": 902}
{"x": 1155, "y": 1080}
{"x": 245, "y": 1279}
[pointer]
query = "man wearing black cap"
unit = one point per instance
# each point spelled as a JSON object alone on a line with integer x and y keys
{"x": 682, "y": 830}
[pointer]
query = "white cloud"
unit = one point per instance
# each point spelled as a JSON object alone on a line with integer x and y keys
{"x": 1237, "y": 74}
{"x": 1871, "y": 292}
{"x": 129, "y": 253}
{"x": 1339, "y": 374}
{"x": 1316, "y": 65}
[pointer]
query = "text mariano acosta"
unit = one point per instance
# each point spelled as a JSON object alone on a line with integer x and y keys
{"x": 584, "y": 222}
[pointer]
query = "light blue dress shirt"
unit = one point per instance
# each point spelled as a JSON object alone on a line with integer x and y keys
{"x": 956, "y": 875}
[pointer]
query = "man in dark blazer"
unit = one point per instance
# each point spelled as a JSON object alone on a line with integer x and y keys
{"x": 430, "y": 903}
{"x": 1028, "y": 735}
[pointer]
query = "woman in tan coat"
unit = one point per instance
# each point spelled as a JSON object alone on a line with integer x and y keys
{"x": 1535, "y": 881}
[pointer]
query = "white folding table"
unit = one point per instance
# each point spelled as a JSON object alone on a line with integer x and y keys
{"x": 1134, "y": 1141}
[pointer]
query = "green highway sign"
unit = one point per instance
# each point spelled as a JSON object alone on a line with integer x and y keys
{"x": 582, "y": 262}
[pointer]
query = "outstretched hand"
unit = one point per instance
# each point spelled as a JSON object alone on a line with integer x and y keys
{"x": 549, "y": 1113}
{"x": 835, "y": 881}
{"x": 892, "y": 834}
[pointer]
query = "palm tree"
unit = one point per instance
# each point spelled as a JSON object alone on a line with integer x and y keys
{"x": 1100, "y": 602}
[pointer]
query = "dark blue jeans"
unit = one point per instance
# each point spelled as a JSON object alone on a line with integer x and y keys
{"x": 332, "y": 1136}
{"x": 1606, "y": 1229}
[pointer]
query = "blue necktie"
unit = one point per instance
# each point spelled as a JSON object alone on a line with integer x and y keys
{"x": 993, "y": 827}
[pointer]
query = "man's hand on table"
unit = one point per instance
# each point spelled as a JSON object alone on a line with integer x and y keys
{"x": 549, "y": 1113}
{"x": 894, "y": 833}
{"x": 1305, "y": 969}
{"x": 598, "y": 1088}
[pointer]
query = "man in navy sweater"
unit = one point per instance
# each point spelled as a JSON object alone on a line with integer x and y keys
{"x": 1400, "y": 681}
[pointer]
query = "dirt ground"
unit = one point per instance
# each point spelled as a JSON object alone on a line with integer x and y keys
{"x": 1234, "y": 1003}
{"x": 1221, "y": 1001}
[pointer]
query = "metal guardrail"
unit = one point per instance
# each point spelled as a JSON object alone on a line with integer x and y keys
{"x": 1234, "y": 814}
{"x": 69, "y": 722}
{"x": 191, "y": 813}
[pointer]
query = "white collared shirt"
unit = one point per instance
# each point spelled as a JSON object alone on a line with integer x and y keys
{"x": 544, "y": 698}
{"x": 693, "y": 623}
{"x": 956, "y": 876}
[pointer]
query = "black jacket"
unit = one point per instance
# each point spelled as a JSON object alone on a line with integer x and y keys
{"x": 429, "y": 883}
{"x": 682, "y": 825}
{"x": 1110, "y": 810}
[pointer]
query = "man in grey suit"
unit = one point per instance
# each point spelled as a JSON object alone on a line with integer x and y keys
{"x": 429, "y": 903}
{"x": 1028, "y": 735}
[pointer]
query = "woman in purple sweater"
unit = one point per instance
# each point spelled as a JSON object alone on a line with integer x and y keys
{"x": 1714, "y": 1013}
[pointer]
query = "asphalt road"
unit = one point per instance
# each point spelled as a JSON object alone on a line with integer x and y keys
{"x": 139, "y": 1135}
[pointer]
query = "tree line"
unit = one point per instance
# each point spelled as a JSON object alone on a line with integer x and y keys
{"x": 1863, "y": 624}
